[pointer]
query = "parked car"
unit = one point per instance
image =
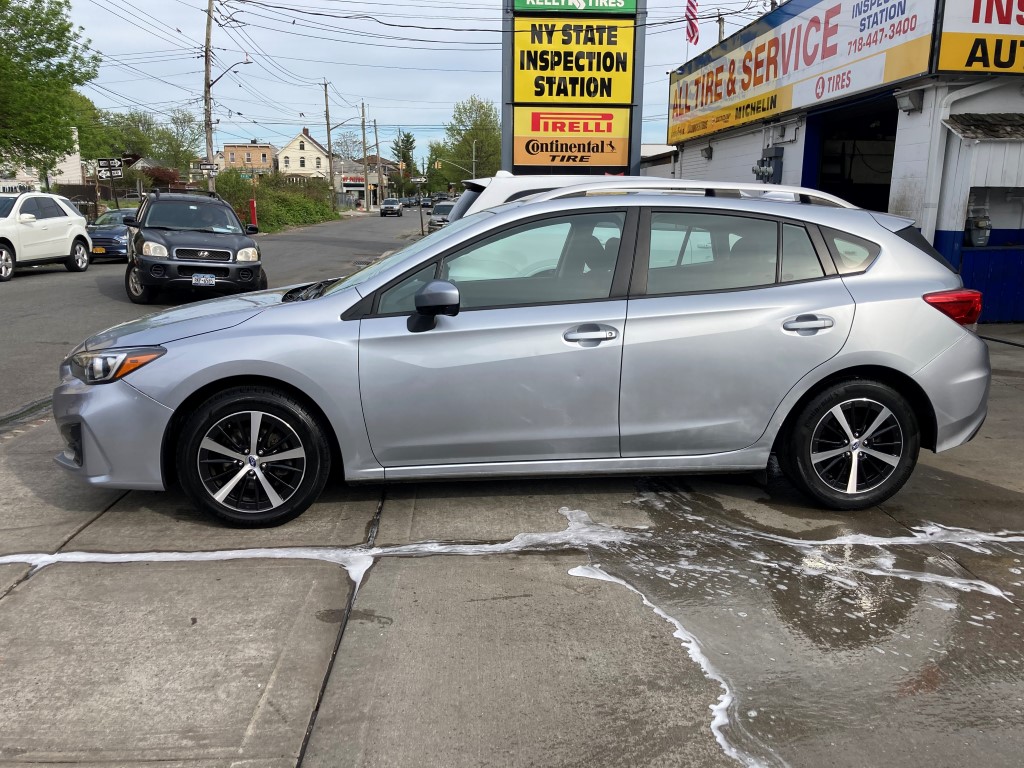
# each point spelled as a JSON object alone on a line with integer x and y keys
{"x": 635, "y": 333}
{"x": 190, "y": 241}
{"x": 426, "y": 202}
{"x": 109, "y": 233}
{"x": 39, "y": 228}
{"x": 439, "y": 216}
{"x": 391, "y": 206}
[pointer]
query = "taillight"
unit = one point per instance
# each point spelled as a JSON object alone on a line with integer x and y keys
{"x": 963, "y": 304}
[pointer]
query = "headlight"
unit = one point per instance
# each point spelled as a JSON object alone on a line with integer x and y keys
{"x": 122, "y": 238}
{"x": 156, "y": 250}
{"x": 248, "y": 254}
{"x": 108, "y": 365}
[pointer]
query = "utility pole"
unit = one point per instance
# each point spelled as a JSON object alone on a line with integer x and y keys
{"x": 330, "y": 152}
{"x": 474, "y": 158}
{"x": 211, "y": 182}
{"x": 376, "y": 144}
{"x": 366, "y": 177}
{"x": 721, "y": 28}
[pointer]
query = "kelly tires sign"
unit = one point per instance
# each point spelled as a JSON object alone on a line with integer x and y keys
{"x": 806, "y": 53}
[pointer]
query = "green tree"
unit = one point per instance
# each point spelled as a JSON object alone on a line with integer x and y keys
{"x": 131, "y": 132}
{"x": 473, "y": 121}
{"x": 177, "y": 144}
{"x": 95, "y": 139}
{"x": 44, "y": 57}
{"x": 402, "y": 150}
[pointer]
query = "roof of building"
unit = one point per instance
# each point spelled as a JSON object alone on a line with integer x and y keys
{"x": 996, "y": 125}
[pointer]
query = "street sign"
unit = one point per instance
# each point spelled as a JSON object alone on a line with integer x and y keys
{"x": 207, "y": 166}
{"x": 110, "y": 173}
{"x": 418, "y": 180}
{"x": 110, "y": 162}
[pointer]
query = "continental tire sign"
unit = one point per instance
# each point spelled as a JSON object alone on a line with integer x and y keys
{"x": 983, "y": 36}
{"x": 570, "y": 77}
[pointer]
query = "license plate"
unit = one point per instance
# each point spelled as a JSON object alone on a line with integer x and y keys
{"x": 97, "y": 249}
{"x": 204, "y": 279}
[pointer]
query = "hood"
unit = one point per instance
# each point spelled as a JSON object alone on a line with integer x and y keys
{"x": 182, "y": 322}
{"x": 108, "y": 229}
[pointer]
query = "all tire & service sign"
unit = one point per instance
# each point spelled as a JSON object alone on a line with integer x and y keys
{"x": 805, "y": 53}
{"x": 571, "y": 67}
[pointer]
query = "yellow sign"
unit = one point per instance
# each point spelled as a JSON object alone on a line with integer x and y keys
{"x": 573, "y": 60}
{"x": 983, "y": 36}
{"x": 573, "y": 137}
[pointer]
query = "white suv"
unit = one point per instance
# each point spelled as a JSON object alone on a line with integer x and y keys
{"x": 37, "y": 228}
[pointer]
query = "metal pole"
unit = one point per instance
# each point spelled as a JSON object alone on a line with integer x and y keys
{"x": 366, "y": 176}
{"x": 721, "y": 28}
{"x": 376, "y": 144}
{"x": 474, "y": 158}
{"x": 211, "y": 182}
{"x": 330, "y": 152}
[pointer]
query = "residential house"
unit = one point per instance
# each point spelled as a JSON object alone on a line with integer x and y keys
{"x": 252, "y": 157}
{"x": 303, "y": 156}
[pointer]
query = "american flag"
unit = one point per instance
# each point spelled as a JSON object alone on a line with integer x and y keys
{"x": 692, "y": 32}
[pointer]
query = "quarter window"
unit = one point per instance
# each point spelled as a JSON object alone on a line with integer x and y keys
{"x": 697, "y": 252}
{"x": 851, "y": 253}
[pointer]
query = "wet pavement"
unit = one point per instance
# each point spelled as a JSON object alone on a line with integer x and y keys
{"x": 698, "y": 621}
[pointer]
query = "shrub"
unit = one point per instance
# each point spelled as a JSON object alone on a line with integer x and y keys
{"x": 279, "y": 203}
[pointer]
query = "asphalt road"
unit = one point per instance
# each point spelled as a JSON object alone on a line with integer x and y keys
{"x": 46, "y": 311}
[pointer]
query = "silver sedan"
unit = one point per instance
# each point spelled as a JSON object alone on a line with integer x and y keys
{"x": 634, "y": 333}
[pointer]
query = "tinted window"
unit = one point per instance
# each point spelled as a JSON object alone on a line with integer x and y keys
{"x": 696, "y": 252}
{"x": 50, "y": 208}
{"x": 799, "y": 259}
{"x": 6, "y": 204}
{"x": 913, "y": 236}
{"x": 31, "y": 205}
{"x": 850, "y": 253}
{"x": 402, "y": 297}
{"x": 465, "y": 200}
{"x": 70, "y": 206}
{"x": 443, "y": 209}
{"x": 550, "y": 261}
{"x": 180, "y": 214}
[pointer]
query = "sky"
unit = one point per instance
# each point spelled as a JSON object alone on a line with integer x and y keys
{"x": 409, "y": 62}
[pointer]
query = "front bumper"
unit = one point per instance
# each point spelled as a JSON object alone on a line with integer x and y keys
{"x": 109, "y": 248}
{"x": 957, "y": 384}
{"x": 113, "y": 433}
{"x": 175, "y": 273}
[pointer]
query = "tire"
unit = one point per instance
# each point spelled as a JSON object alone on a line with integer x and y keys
{"x": 853, "y": 446}
{"x": 7, "y": 263}
{"x": 253, "y": 494}
{"x": 263, "y": 283}
{"x": 382, "y": 214}
{"x": 137, "y": 292}
{"x": 78, "y": 260}
{"x": 400, "y": 213}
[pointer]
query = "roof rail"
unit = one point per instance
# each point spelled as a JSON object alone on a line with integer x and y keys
{"x": 774, "y": 192}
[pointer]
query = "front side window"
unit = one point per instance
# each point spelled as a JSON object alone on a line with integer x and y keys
{"x": 549, "y": 261}
{"x": 31, "y": 205}
{"x": 698, "y": 252}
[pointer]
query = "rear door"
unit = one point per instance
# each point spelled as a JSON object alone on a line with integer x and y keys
{"x": 727, "y": 313}
{"x": 529, "y": 368}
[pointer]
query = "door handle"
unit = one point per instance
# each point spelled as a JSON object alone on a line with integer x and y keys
{"x": 808, "y": 323}
{"x": 593, "y": 333}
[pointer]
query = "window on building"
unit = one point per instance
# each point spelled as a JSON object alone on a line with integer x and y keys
{"x": 318, "y": 162}
{"x": 302, "y": 162}
{"x": 302, "y": 146}
{"x": 263, "y": 158}
{"x": 231, "y": 156}
{"x": 287, "y": 162}
{"x": 248, "y": 157}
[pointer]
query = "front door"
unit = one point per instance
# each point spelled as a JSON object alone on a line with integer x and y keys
{"x": 723, "y": 331}
{"x": 527, "y": 371}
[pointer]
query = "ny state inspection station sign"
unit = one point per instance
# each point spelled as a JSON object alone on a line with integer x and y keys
{"x": 571, "y": 71}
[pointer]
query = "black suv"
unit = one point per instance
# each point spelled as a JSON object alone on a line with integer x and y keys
{"x": 190, "y": 240}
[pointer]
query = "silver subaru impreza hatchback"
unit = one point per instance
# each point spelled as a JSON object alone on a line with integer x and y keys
{"x": 643, "y": 332}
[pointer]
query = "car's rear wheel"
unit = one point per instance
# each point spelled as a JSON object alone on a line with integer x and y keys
{"x": 6, "y": 263}
{"x": 137, "y": 292}
{"x": 253, "y": 457}
{"x": 78, "y": 260}
{"x": 853, "y": 446}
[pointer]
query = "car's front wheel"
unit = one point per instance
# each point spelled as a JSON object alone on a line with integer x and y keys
{"x": 6, "y": 263}
{"x": 78, "y": 260}
{"x": 253, "y": 457}
{"x": 853, "y": 446}
{"x": 137, "y": 292}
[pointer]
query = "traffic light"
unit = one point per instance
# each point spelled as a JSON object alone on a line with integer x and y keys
{"x": 401, "y": 165}
{"x": 437, "y": 164}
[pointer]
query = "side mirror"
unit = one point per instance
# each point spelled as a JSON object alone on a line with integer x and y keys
{"x": 438, "y": 297}
{"x": 252, "y": 229}
{"x": 27, "y": 217}
{"x": 129, "y": 221}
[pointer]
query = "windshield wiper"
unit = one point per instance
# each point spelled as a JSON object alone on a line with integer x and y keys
{"x": 311, "y": 291}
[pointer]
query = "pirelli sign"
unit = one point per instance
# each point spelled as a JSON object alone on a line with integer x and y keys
{"x": 572, "y": 66}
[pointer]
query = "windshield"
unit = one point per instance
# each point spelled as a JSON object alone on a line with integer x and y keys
{"x": 182, "y": 214}
{"x": 111, "y": 217}
{"x": 390, "y": 201}
{"x": 6, "y": 204}
{"x": 406, "y": 253}
{"x": 443, "y": 209}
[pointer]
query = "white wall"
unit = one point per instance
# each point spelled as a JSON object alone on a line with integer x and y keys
{"x": 733, "y": 155}
{"x": 913, "y": 148}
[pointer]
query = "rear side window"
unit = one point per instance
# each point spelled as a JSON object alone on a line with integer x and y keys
{"x": 913, "y": 236}
{"x": 851, "y": 254}
{"x": 799, "y": 259}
